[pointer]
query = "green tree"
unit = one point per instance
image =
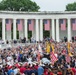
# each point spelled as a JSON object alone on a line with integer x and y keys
{"x": 71, "y": 7}
{"x": 19, "y": 5}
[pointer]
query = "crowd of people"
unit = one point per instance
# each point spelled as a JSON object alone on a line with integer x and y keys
{"x": 28, "y": 60}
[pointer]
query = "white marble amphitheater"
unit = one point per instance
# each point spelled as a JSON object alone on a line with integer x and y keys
{"x": 53, "y": 16}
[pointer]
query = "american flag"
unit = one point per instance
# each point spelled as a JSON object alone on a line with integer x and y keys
{"x": 63, "y": 24}
{"x": 38, "y": 56}
{"x": 31, "y": 25}
{"x": 73, "y": 24}
{"x": 8, "y": 24}
{"x": 47, "y": 25}
{"x": 64, "y": 52}
{"x": 53, "y": 58}
{"x": 19, "y": 23}
{"x": 68, "y": 59}
{"x": 40, "y": 49}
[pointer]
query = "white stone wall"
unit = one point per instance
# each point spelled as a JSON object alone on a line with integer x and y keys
{"x": 8, "y": 35}
{"x": 73, "y": 33}
{"x": 63, "y": 34}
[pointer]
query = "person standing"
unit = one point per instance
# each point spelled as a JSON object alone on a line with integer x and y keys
{"x": 40, "y": 70}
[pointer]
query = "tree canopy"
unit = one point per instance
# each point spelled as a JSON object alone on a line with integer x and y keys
{"x": 19, "y": 5}
{"x": 71, "y": 7}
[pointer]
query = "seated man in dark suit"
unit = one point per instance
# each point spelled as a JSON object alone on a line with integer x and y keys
{"x": 15, "y": 41}
{"x": 72, "y": 38}
{"x": 65, "y": 39}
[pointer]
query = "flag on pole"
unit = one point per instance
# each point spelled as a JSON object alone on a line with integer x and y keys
{"x": 39, "y": 48}
{"x": 19, "y": 24}
{"x": 52, "y": 46}
{"x": 73, "y": 24}
{"x": 63, "y": 24}
{"x": 8, "y": 24}
{"x": 68, "y": 59}
{"x": 68, "y": 46}
{"x": 64, "y": 52}
{"x": 53, "y": 58}
{"x": 38, "y": 56}
{"x": 47, "y": 25}
{"x": 48, "y": 48}
{"x": 31, "y": 25}
{"x": 69, "y": 52}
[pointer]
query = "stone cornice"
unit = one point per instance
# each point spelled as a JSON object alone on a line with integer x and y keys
{"x": 39, "y": 13}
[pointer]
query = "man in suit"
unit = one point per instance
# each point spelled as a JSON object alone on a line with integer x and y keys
{"x": 72, "y": 38}
{"x": 65, "y": 39}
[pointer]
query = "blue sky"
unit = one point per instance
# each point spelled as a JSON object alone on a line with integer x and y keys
{"x": 53, "y": 5}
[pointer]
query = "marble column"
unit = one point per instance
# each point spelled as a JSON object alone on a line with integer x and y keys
{"x": 3, "y": 29}
{"x": 57, "y": 30}
{"x": 69, "y": 29}
{"x": 53, "y": 29}
{"x": 41, "y": 29}
{"x": 14, "y": 30}
{"x": 37, "y": 29}
{"x": 25, "y": 29}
